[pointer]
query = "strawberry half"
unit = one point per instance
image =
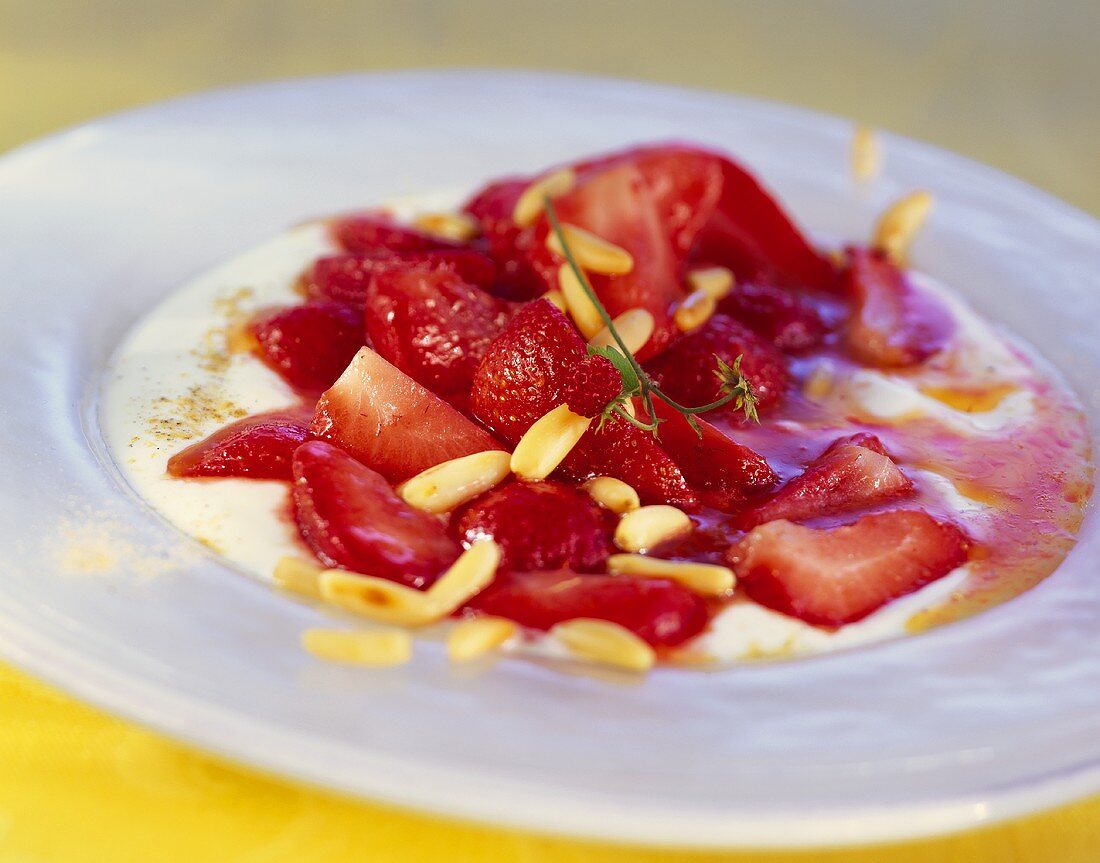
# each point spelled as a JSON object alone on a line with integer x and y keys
{"x": 836, "y": 576}
{"x": 661, "y": 612}
{"x": 309, "y": 345}
{"x": 351, "y": 518}
{"x": 365, "y": 233}
{"x": 853, "y": 473}
{"x": 786, "y": 320}
{"x": 390, "y": 422}
{"x": 539, "y": 525}
{"x": 256, "y": 447}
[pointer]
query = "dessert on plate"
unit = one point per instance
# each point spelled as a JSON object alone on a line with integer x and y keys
{"x": 624, "y": 409}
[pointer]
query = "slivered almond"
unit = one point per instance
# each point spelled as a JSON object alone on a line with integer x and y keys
{"x": 375, "y": 648}
{"x": 649, "y": 526}
{"x": 866, "y": 154}
{"x": 612, "y": 494}
{"x": 899, "y": 224}
{"x": 530, "y": 203}
{"x": 379, "y": 599}
{"x": 546, "y": 444}
{"x": 446, "y": 485}
{"x": 477, "y": 636}
{"x": 694, "y": 310}
{"x": 460, "y": 227}
{"x": 635, "y": 326}
{"x": 716, "y": 282}
{"x": 702, "y": 578}
{"x": 605, "y": 642}
{"x": 581, "y": 309}
{"x": 467, "y": 577}
{"x": 558, "y": 299}
{"x": 592, "y": 253}
{"x": 298, "y": 576}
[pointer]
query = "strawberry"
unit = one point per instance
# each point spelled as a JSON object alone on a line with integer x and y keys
{"x": 892, "y": 324}
{"x": 309, "y": 345}
{"x": 526, "y": 373}
{"x": 686, "y": 370}
{"x": 375, "y": 231}
{"x": 351, "y": 518}
{"x": 786, "y": 320}
{"x": 390, "y": 422}
{"x": 663, "y": 613}
{"x": 594, "y": 384}
{"x": 836, "y": 576}
{"x": 258, "y": 447}
{"x": 434, "y": 326}
{"x": 539, "y": 525}
{"x": 853, "y": 473}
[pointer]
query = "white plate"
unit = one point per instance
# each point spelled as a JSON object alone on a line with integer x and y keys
{"x": 973, "y": 722}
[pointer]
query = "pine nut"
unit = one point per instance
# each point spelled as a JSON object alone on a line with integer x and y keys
{"x": 634, "y": 326}
{"x": 459, "y": 227}
{"x": 612, "y": 494}
{"x": 592, "y": 253}
{"x": 605, "y": 642}
{"x": 379, "y": 599}
{"x": 474, "y": 570}
{"x": 546, "y": 444}
{"x": 716, "y": 282}
{"x": 558, "y": 299}
{"x": 899, "y": 224}
{"x": 529, "y": 204}
{"x": 866, "y": 154}
{"x": 649, "y": 526}
{"x": 374, "y": 647}
{"x": 298, "y": 576}
{"x": 702, "y": 578}
{"x": 443, "y": 487}
{"x": 694, "y": 310}
{"x": 477, "y": 636}
{"x": 583, "y": 311}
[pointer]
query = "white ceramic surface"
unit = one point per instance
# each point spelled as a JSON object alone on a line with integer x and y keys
{"x": 972, "y": 722}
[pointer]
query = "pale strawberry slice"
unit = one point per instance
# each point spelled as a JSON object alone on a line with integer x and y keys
{"x": 539, "y": 525}
{"x": 663, "y": 613}
{"x": 351, "y": 518}
{"x": 390, "y": 422}
{"x": 529, "y": 370}
{"x": 785, "y": 319}
{"x": 892, "y": 324}
{"x": 376, "y": 231}
{"x": 853, "y": 473}
{"x": 433, "y": 325}
{"x": 345, "y": 278}
{"x": 836, "y": 576}
{"x": 257, "y": 447}
{"x": 309, "y": 345}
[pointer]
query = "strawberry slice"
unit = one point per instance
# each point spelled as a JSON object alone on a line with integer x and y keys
{"x": 836, "y": 576}
{"x": 345, "y": 278}
{"x": 256, "y": 447}
{"x": 309, "y": 345}
{"x": 376, "y": 231}
{"x": 539, "y": 525}
{"x": 351, "y": 518}
{"x": 892, "y": 324}
{"x": 853, "y": 473}
{"x": 686, "y": 370}
{"x": 390, "y": 422}
{"x": 528, "y": 371}
{"x": 663, "y": 613}
{"x": 786, "y": 320}
{"x": 434, "y": 326}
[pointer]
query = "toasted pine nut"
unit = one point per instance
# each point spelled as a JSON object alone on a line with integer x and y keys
{"x": 649, "y": 526}
{"x": 866, "y": 154}
{"x": 467, "y": 577}
{"x": 379, "y": 599}
{"x": 298, "y": 576}
{"x": 605, "y": 642}
{"x": 819, "y": 382}
{"x": 460, "y": 227}
{"x": 593, "y": 254}
{"x": 558, "y": 299}
{"x": 529, "y": 204}
{"x": 694, "y": 310}
{"x": 476, "y": 636}
{"x": 443, "y": 487}
{"x": 716, "y": 282}
{"x": 899, "y": 224}
{"x": 702, "y": 578}
{"x": 546, "y": 444}
{"x": 583, "y": 311}
{"x": 612, "y": 494}
{"x": 634, "y": 326}
{"x": 377, "y": 647}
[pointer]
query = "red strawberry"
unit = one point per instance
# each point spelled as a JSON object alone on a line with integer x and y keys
{"x": 309, "y": 345}
{"x": 539, "y": 525}
{"x": 351, "y": 518}
{"x": 432, "y": 325}
{"x": 686, "y": 370}
{"x": 831, "y": 577}
{"x": 526, "y": 373}
{"x": 391, "y": 423}
{"x": 257, "y": 447}
{"x": 594, "y": 384}
{"x": 892, "y": 324}
{"x": 786, "y": 320}
{"x": 376, "y": 231}
{"x": 853, "y": 473}
{"x": 345, "y": 278}
{"x": 661, "y": 612}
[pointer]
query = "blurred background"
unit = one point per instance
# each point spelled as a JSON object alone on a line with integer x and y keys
{"x": 1010, "y": 82}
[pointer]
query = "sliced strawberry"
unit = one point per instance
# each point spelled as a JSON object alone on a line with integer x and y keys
{"x": 836, "y": 576}
{"x": 434, "y": 326}
{"x": 309, "y": 345}
{"x": 256, "y": 447}
{"x": 786, "y": 320}
{"x": 351, "y": 518}
{"x": 892, "y": 324}
{"x": 661, "y": 612}
{"x": 526, "y": 373}
{"x": 345, "y": 278}
{"x": 539, "y": 525}
{"x": 853, "y": 473}
{"x": 686, "y": 370}
{"x": 390, "y": 422}
{"x": 376, "y": 231}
